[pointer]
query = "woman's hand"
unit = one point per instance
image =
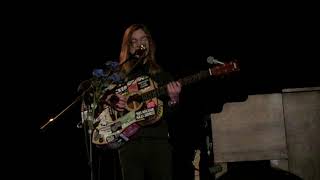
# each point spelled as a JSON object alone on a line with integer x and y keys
{"x": 117, "y": 101}
{"x": 174, "y": 89}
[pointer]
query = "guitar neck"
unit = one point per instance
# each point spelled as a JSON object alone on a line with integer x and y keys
{"x": 194, "y": 78}
{"x": 226, "y": 68}
{"x": 183, "y": 81}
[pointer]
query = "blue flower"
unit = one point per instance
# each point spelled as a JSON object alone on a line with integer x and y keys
{"x": 98, "y": 73}
{"x": 113, "y": 65}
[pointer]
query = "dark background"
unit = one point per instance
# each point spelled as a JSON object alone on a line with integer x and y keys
{"x": 276, "y": 45}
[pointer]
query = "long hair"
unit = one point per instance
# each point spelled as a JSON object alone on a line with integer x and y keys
{"x": 125, "y": 49}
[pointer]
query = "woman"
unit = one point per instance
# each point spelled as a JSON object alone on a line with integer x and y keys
{"x": 147, "y": 153}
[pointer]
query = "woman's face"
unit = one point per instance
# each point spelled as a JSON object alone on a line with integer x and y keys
{"x": 139, "y": 40}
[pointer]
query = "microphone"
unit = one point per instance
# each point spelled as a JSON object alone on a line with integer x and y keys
{"x": 136, "y": 55}
{"x": 212, "y": 60}
{"x": 140, "y": 51}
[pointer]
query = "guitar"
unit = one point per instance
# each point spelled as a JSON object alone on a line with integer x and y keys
{"x": 113, "y": 128}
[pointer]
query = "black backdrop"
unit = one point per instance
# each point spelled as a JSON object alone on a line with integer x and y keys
{"x": 276, "y": 46}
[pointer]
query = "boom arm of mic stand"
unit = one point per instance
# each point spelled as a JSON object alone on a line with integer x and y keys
{"x": 79, "y": 97}
{"x": 64, "y": 110}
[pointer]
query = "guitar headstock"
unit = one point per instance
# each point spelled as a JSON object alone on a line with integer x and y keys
{"x": 226, "y": 68}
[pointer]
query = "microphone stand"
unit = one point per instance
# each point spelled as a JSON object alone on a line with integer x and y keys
{"x": 139, "y": 52}
{"x": 88, "y": 126}
{"x": 86, "y": 122}
{"x": 64, "y": 110}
